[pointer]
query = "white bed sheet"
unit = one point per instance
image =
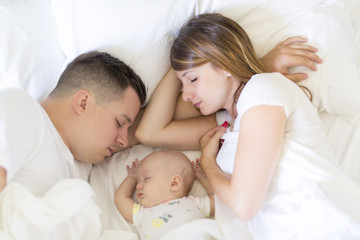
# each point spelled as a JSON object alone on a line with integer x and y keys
{"x": 345, "y": 140}
{"x": 32, "y": 60}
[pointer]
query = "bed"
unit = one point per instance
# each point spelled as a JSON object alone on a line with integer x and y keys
{"x": 39, "y": 37}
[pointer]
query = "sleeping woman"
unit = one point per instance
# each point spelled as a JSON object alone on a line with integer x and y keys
{"x": 273, "y": 176}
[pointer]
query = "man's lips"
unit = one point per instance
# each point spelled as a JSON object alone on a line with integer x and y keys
{"x": 111, "y": 151}
{"x": 197, "y": 105}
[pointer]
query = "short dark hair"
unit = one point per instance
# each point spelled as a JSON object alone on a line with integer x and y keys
{"x": 100, "y": 73}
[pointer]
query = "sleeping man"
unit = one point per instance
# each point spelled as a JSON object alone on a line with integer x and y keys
{"x": 84, "y": 119}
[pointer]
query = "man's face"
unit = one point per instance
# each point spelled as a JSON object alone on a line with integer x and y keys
{"x": 105, "y": 128}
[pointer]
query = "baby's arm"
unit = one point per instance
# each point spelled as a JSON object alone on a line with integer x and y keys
{"x": 123, "y": 195}
{"x": 204, "y": 181}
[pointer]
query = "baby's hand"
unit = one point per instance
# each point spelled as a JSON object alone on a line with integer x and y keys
{"x": 198, "y": 171}
{"x": 133, "y": 169}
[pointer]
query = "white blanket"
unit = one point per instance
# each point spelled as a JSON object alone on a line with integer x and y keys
{"x": 67, "y": 211}
{"x": 200, "y": 229}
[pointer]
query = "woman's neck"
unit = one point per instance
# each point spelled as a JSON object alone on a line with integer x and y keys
{"x": 232, "y": 110}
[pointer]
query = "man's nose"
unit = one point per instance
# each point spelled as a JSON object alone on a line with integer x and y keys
{"x": 122, "y": 138}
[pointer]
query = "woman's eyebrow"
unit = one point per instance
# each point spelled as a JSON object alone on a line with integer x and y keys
{"x": 183, "y": 75}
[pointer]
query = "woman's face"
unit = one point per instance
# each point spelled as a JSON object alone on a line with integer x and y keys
{"x": 208, "y": 87}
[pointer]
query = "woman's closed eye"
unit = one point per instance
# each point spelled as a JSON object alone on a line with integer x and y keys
{"x": 193, "y": 80}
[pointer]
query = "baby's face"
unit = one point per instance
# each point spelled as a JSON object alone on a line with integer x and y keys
{"x": 153, "y": 184}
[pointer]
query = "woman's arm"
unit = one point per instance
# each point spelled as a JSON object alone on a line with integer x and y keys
{"x": 259, "y": 145}
{"x": 161, "y": 126}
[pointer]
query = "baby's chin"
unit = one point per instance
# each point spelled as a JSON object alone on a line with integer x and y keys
{"x": 149, "y": 204}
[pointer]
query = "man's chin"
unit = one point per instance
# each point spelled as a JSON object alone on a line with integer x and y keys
{"x": 95, "y": 160}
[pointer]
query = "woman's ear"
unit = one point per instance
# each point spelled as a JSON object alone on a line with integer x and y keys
{"x": 80, "y": 101}
{"x": 176, "y": 183}
{"x": 227, "y": 74}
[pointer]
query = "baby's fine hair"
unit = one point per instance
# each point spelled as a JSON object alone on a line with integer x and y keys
{"x": 179, "y": 163}
{"x": 100, "y": 73}
{"x": 187, "y": 172}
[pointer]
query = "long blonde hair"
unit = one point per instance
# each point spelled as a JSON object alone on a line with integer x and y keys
{"x": 214, "y": 38}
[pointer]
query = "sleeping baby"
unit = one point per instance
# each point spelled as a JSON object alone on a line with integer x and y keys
{"x": 163, "y": 180}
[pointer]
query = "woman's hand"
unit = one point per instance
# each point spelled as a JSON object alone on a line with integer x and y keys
{"x": 133, "y": 168}
{"x": 210, "y": 144}
{"x": 289, "y": 53}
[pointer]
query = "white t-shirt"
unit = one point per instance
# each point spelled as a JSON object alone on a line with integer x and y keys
{"x": 31, "y": 149}
{"x": 309, "y": 196}
{"x": 154, "y": 222}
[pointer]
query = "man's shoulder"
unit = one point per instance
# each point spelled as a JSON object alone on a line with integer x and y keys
{"x": 16, "y": 104}
{"x": 13, "y": 96}
{"x": 14, "y": 93}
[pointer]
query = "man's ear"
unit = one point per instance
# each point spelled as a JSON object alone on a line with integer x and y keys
{"x": 176, "y": 182}
{"x": 80, "y": 101}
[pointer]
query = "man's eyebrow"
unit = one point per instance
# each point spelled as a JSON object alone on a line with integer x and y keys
{"x": 128, "y": 119}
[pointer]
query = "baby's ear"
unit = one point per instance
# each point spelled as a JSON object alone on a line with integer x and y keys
{"x": 176, "y": 183}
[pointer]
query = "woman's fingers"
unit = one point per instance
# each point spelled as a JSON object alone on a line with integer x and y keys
{"x": 210, "y": 141}
{"x": 291, "y": 60}
{"x": 290, "y": 53}
{"x": 292, "y": 40}
{"x": 302, "y": 52}
{"x": 297, "y": 77}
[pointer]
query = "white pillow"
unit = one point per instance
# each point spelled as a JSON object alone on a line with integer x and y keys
{"x": 31, "y": 58}
{"x": 141, "y": 33}
{"x": 326, "y": 24}
{"x": 138, "y": 32}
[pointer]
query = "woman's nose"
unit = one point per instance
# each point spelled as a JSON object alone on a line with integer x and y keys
{"x": 187, "y": 95}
